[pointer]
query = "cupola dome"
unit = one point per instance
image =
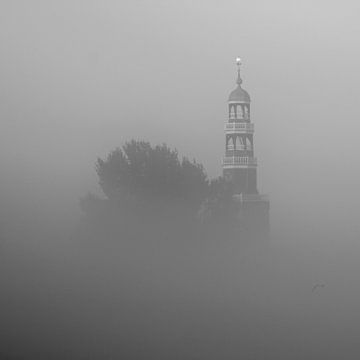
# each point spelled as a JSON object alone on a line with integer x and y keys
{"x": 239, "y": 94}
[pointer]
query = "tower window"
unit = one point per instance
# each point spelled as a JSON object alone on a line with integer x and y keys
{"x": 230, "y": 144}
{"x": 239, "y": 143}
{"x": 232, "y": 112}
{"x": 239, "y": 112}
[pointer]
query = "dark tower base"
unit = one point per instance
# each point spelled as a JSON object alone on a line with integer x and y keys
{"x": 242, "y": 180}
{"x": 253, "y": 213}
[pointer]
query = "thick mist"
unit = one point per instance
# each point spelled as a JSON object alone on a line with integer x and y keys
{"x": 78, "y": 79}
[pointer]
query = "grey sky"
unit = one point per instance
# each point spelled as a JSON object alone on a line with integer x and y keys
{"x": 80, "y": 77}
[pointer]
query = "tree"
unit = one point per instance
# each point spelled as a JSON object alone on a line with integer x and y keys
{"x": 150, "y": 189}
{"x": 141, "y": 170}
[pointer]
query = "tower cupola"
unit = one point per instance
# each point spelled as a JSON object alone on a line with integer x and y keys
{"x": 239, "y": 163}
{"x": 239, "y": 94}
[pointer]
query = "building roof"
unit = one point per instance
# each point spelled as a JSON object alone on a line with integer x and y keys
{"x": 239, "y": 94}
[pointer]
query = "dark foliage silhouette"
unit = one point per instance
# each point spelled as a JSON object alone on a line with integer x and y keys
{"x": 155, "y": 187}
{"x": 140, "y": 169}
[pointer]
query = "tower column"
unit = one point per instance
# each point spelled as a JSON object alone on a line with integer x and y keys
{"x": 239, "y": 163}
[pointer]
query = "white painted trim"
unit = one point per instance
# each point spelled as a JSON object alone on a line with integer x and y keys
{"x": 238, "y": 102}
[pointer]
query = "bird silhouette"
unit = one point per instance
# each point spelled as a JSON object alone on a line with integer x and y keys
{"x": 317, "y": 286}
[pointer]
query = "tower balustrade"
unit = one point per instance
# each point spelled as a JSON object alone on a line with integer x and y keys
{"x": 243, "y": 128}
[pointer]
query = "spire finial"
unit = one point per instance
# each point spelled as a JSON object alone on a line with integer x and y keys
{"x": 238, "y": 63}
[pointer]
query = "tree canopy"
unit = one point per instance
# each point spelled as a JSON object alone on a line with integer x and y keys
{"x": 139, "y": 169}
{"x": 154, "y": 184}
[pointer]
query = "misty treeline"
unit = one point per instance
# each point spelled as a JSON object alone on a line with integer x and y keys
{"x": 152, "y": 186}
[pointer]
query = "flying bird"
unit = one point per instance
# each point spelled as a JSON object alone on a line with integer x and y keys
{"x": 317, "y": 286}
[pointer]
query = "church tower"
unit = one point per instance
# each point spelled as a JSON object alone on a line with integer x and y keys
{"x": 240, "y": 164}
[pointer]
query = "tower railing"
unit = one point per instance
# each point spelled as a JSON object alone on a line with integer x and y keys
{"x": 239, "y": 127}
{"x": 233, "y": 161}
{"x": 251, "y": 197}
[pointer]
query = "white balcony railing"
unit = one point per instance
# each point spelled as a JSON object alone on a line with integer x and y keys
{"x": 251, "y": 197}
{"x": 239, "y": 148}
{"x": 239, "y": 127}
{"x": 239, "y": 116}
{"x": 239, "y": 161}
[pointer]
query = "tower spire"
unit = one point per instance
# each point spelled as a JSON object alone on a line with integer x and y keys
{"x": 240, "y": 164}
{"x": 238, "y": 63}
